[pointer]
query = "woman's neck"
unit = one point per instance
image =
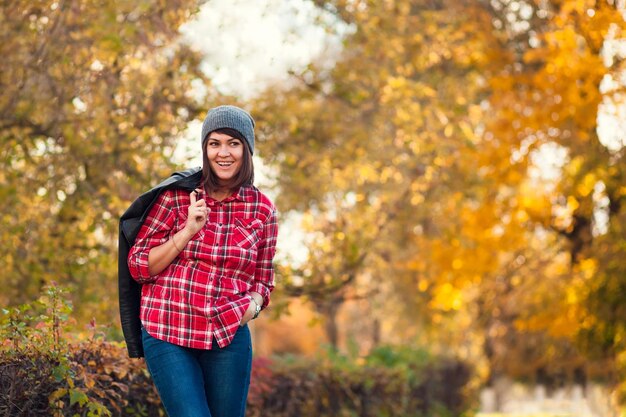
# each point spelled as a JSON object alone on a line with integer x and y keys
{"x": 220, "y": 194}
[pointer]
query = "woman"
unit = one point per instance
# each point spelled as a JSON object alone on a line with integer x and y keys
{"x": 205, "y": 261}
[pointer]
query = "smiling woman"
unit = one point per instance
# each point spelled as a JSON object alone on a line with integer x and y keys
{"x": 204, "y": 260}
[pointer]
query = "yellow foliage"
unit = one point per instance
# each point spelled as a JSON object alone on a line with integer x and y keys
{"x": 535, "y": 202}
{"x": 447, "y": 298}
{"x": 431, "y": 119}
{"x": 572, "y": 204}
{"x": 585, "y": 187}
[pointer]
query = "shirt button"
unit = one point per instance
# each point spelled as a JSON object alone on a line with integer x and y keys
{"x": 220, "y": 224}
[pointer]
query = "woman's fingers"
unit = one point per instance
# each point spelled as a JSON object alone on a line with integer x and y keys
{"x": 197, "y": 208}
{"x": 193, "y": 197}
{"x": 198, "y": 212}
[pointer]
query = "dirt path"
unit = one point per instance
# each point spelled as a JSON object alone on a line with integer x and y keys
{"x": 510, "y": 399}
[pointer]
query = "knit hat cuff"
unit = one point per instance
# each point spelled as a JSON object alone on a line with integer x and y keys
{"x": 230, "y": 117}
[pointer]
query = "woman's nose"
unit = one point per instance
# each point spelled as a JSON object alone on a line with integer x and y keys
{"x": 223, "y": 151}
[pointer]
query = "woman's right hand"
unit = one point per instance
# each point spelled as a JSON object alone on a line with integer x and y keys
{"x": 160, "y": 257}
{"x": 196, "y": 214}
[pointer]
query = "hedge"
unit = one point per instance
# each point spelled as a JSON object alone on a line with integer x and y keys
{"x": 97, "y": 379}
{"x": 43, "y": 374}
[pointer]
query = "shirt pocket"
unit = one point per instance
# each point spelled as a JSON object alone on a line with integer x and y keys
{"x": 247, "y": 233}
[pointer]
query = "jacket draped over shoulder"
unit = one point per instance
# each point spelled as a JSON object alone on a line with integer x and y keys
{"x": 130, "y": 223}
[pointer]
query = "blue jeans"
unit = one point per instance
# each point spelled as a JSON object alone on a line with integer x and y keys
{"x": 201, "y": 383}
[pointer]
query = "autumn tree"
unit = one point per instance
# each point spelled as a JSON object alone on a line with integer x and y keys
{"x": 378, "y": 150}
{"x": 94, "y": 95}
{"x": 562, "y": 78}
{"x": 414, "y": 161}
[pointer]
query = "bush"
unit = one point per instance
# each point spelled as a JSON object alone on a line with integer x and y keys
{"x": 99, "y": 379}
{"x": 41, "y": 374}
{"x": 95, "y": 379}
{"x": 366, "y": 388}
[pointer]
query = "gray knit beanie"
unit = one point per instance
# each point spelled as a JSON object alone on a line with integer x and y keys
{"x": 229, "y": 117}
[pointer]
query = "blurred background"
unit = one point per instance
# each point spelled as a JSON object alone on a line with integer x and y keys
{"x": 450, "y": 175}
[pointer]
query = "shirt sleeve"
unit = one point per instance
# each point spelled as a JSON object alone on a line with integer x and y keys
{"x": 264, "y": 273}
{"x": 154, "y": 232}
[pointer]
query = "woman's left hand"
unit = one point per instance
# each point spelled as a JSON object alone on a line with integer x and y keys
{"x": 249, "y": 314}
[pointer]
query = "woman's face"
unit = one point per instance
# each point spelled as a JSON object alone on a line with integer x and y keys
{"x": 225, "y": 154}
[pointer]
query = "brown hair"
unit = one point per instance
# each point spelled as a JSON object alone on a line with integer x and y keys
{"x": 245, "y": 176}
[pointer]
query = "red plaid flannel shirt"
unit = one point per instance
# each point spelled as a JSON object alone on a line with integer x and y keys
{"x": 203, "y": 293}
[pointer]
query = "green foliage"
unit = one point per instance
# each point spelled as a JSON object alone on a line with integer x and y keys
{"x": 398, "y": 356}
{"x": 38, "y": 325}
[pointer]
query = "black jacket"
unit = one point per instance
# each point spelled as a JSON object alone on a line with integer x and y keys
{"x": 130, "y": 223}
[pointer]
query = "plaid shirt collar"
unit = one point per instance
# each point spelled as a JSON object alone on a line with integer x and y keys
{"x": 244, "y": 194}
